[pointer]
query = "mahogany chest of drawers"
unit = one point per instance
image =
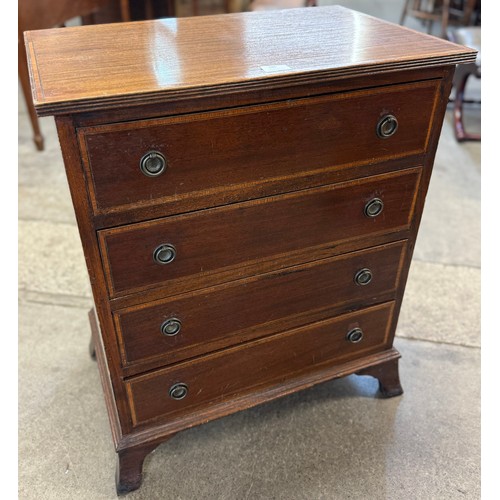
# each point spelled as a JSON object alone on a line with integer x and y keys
{"x": 248, "y": 190}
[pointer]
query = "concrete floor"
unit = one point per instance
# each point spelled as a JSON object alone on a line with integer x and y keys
{"x": 338, "y": 440}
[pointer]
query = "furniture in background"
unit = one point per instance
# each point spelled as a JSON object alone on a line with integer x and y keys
{"x": 196, "y": 7}
{"x": 471, "y": 37}
{"x": 41, "y": 14}
{"x": 461, "y": 14}
{"x": 446, "y": 12}
{"x": 248, "y": 195}
{"x": 256, "y": 5}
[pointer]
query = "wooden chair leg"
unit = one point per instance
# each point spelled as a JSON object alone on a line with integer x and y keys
{"x": 445, "y": 17}
{"x": 388, "y": 377}
{"x": 149, "y": 9}
{"x": 430, "y": 24}
{"x": 458, "y": 118}
{"x": 403, "y": 14}
{"x": 125, "y": 11}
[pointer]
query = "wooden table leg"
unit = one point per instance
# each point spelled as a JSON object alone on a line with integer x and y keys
{"x": 25, "y": 84}
{"x": 388, "y": 377}
{"x": 93, "y": 333}
{"x": 129, "y": 467}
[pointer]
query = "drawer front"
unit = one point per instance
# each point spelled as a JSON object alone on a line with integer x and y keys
{"x": 201, "y": 322}
{"x": 262, "y": 363}
{"x": 205, "y": 153}
{"x": 239, "y": 236}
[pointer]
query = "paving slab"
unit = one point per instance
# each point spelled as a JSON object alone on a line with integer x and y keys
{"x": 51, "y": 259}
{"x": 442, "y": 303}
{"x": 450, "y": 230}
{"x": 43, "y": 189}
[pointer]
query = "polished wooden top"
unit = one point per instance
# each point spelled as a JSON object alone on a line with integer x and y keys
{"x": 103, "y": 66}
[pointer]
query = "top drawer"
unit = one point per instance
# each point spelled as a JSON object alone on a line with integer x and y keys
{"x": 244, "y": 148}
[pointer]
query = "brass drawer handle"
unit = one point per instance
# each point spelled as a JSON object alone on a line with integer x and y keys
{"x": 363, "y": 277}
{"x": 374, "y": 207}
{"x": 355, "y": 335}
{"x": 387, "y": 126}
{"x": 171, "y": 327}
{"x": 178, "y": 391}
{"x": 153, "y": 164}
{"x": 164, "y": 254}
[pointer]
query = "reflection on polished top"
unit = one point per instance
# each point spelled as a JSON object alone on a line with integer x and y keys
{"x": 90, "y": 67}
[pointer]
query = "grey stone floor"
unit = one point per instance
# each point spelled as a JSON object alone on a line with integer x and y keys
{"x": 338, "y": 440}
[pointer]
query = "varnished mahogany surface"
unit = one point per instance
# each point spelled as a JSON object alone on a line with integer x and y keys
{"x": 208, "y": 152}
{"x": 261, "y": 117}
{"x": 272, "y": 360}
{"x": 261, "y": 305}
{"x": 245, "y": 234}
{"x": 108, "y": 66}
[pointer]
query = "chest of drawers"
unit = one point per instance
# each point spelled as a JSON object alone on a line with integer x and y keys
{"x": 248, "y": 190}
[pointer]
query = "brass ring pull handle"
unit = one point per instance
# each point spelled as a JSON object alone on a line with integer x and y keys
{"x": 153, "y": 164}
{"x": 387, "y": 126}
{"x": 171, "y": 327}
{"x": 374, "y": 207}
{"x": 355, "y": 335}
{"x": 164, "y": 254}
{"x": 363, "y": 277}
{"x": 178, "y": 391}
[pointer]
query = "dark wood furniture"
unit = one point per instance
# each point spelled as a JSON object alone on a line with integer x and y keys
{"x": 445, "y": 12}
{"x": 40, "y": 14}
{"x": 248, "y": 190}
{"x": 256, "y": 5}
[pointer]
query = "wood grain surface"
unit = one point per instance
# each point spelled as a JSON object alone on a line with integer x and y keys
{"x": 207, "y": 153}
{"x": 268, "y": 124}
{"x": 78, "y": 69}
{"x": 262, "y": 305}
{"x": 243, "y": 234}
{"x": 264, "y": 362}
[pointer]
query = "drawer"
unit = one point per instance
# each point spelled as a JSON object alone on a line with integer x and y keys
{"x": 243, "y": 235}
{"x": 192, "y": 324}
{"x": 273, "y": 360}
{"x": 204, "y": 154}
